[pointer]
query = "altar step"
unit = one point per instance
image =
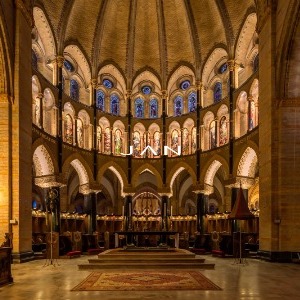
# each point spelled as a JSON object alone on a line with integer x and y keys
{"x": 120, "y": 259}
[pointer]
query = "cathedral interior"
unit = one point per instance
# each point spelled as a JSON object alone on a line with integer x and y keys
{"x": 150, "y": 116}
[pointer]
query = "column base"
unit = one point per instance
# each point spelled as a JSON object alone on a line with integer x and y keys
{"x": 279, "y": 256}
{"x": 22, "y": 257}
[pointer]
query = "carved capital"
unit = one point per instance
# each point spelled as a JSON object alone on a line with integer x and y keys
{"x": 94, "y": 82}
{"x": 60, "y": 61}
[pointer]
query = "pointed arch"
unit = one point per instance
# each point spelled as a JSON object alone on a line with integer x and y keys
{"x": 152, "y": 170}
{"x": 248, "y": 163}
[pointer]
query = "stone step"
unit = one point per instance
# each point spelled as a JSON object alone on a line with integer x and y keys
{"x": 171, "y": 265}
{"x": 122, "y": 260}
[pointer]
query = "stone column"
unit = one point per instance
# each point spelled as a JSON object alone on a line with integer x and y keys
{"x": 164, "y": 136}
{"x": 129, "y": 135}
{"x": 200, "y": 212}
{"x": 19, "y": 138}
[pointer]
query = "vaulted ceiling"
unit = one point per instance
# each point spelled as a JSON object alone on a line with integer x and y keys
{"x": 158, "y": 35}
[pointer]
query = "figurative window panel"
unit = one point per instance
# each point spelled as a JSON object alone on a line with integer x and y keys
{"x": 194, "y": 139}
{"x": 223, "y": 131}
{"x": 175, "y": 140}
{"x": 212, "y": 135}
{"x": 178, "y": 105}
{"x": 118, "y": 142}
{"x": 34, "y": 60}
{"x": 100, "y": 98}
{"x": 74, "y": 90}
{"x": 252, "y": 115}
{"x": 192, "y": 102}
{"x": 38, "y": 112}
{"x": 139, "y": 108}
{"x": 185, "y": 142}
{"x": 68, "y": 129}
{"x": 80, "y": 139}
{"x": 153, "y": 108}
{"x": 157, "y": 143}
{"x": 114, "y": 104}
{"x": 107, "y": 141}
{"x": 99, "y": 138}
{"x": 217, "y": 92}
{"x": 136, "y": 141}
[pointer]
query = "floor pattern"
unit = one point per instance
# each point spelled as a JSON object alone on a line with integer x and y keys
{"x": 146, "y": 281}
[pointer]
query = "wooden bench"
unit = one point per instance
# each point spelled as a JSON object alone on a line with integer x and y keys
{"x": 74, "y": 254}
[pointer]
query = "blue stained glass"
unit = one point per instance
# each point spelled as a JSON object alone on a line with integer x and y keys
{"x": 100, "y": 100}
{"x": 34, "y": 59}
{"x": 74, "y": 90}
{"x": 107, "y": 83}
{"x": 218, "y": 92}
{"x": 192, "y": 101}
{"x": 185, "y": 85}
{"x": 139, "y": 108}
{"x": 153, "y": 107}
{"x": 34, "y": 204}
{"x": 68, "y": 65}
{"x": 114, "y": 104}
{"x": 223, "y": 68}
{"x": 146, "y": 90}
{"x": 178, "y": 106}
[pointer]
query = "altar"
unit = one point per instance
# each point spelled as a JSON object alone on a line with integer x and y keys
{"x": 134, "y": 236}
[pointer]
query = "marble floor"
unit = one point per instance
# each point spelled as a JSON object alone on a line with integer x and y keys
{"x": 255, "y": 280}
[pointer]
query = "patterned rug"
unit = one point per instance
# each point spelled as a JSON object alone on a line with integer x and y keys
{"x": 146, "y": 281}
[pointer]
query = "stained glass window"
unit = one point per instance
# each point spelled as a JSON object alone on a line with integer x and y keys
{"x": 212, "y": 135}
{"x": 252, "y": 115}
{"x": 192, "y": 102}
{"x": 255, "y": 63}
{"x": 146, "y": 90}
{"x": 108, "y": 83}
{"x": 136, "y": 140}
{"x": 74, "y": 90}
{"x": 114, "y": 104}
{"x": 68, "y": 129}
{"x": 153, "y": 108}
{"x": 107, "y": 141}
{"x": 174, "y": 140}
{"x": 178, "y": 106}
{"x": 185, "y": 141}
{"x": 99, "y": 138}
{"x": 223, "y": 68}
{"x": 34, "y": 60}
{"x": 68, "y": 65}
{"x": 218, "y": 92}
{"x": 118, "y": 142}
{"x": 139, "y": 108}
{"x": 185, "y": 85}
{"x": 100, "y": 100}
{"x": 223, "y": 132}
{"x": 194, "y": 139}
{"x": 80, "y": 133}
{"x": 156, "y": 143}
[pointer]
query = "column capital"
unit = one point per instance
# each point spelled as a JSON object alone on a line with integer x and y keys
{"x": 128, "y": 93}
{"x": 232, "y": 64}
{"x": 164, "y": 93}
{"x": 93, "y": 82}
{"x": 60, "y": 61}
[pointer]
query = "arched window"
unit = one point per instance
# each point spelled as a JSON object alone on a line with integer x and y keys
{"x": 68, "y": 66}
{"x": 34, "y": 60}
{"x": 74, "y": 90}
{"x": 252, "y": 115}
{"x": 212, "y": 135}
{"x": 192, "y": 102}
{"x": 223, "y": 132}
{"x": 178, "y": 106}
{"x": 80, "y": 133}
{"x": 114, "y": 104}
{"x": 185, "y": 141}
{"x": 136, "y": 140}
{"x": 156, "y": 143}
{"x": 100, "y": 100}
{"x": 118, "y": 142}
{"x": 99, "y": 138}
{"x": 218, "y": 92}
{"x": 68, "y": 129}
{"x": 139, "y": 108}
{"x": 153, "y": 108}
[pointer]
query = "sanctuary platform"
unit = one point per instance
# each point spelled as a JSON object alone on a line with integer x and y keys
{"x": 146, "y": 258}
